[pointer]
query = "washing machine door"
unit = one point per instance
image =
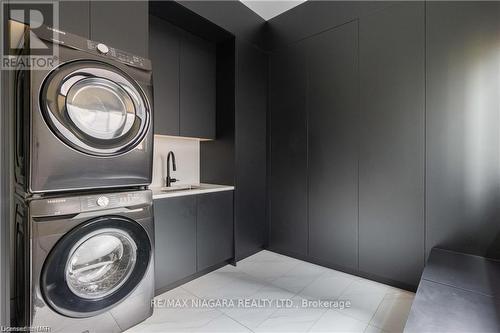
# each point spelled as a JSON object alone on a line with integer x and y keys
{"x": 95, "y": 108}
{"x": 95, "y": 266}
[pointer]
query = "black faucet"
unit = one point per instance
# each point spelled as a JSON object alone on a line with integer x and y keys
{"x": 168, "y": 180}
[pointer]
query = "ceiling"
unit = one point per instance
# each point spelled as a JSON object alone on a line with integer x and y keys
{"x": 268, "y": 9}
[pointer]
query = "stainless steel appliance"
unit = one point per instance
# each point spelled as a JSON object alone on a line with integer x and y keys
{"x": 85, "y": 263}
{"x": 87, "y": 122}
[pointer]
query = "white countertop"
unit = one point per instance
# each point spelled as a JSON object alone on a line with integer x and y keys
{"x": 199, "y": 189}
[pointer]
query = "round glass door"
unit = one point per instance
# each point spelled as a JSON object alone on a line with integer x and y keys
{"x": 100, "y": 264}
{"x": 100, "y": 108}
{"x": 95, "y": 108}
{"x": 95, "y": 266}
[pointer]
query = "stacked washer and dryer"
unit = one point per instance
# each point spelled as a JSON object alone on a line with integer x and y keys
{"x": 84, "y": 234}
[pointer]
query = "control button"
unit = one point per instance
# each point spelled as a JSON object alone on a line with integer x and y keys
{"x": 102, "y": 48}
{"x": 102, "y": 201}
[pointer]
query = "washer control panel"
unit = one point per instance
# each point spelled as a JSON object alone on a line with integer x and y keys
{"x": 112, "y": 200}
{"x": 94, "y": 202}
{"x": 116, "y": 54}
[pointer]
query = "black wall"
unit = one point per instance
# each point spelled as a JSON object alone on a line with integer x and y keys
{"x": 373, "y": 165}
{"x": 463, "y": 127}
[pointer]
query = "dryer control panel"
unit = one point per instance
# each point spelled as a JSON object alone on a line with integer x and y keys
{"x": 70, "y": 40}
{"x": 94, "y": 202}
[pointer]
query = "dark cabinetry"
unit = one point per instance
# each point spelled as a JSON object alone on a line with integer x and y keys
{"x": 184, "y": 68}
{"x": 164, "y": 41}
{"x": 123, "y": 25}
{"x": 214, "y": 232}
{"x": 197, "y": 87}
{"x": 175, "y": 239}
{"x": 332, "y": 104}
{"x": 288, "y": 151}
{"x": 192, "y": 233}
{"x": 391, "y": 165}
{"x": 250, "y": 124}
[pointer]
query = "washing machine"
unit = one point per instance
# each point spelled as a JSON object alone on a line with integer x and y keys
{"x": 84, "y": 263}
{"x": 86, "y": 121}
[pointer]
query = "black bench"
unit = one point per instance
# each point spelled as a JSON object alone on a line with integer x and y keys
{"x": 457, "y": 293}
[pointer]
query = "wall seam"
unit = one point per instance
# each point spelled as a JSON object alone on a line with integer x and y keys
{"x": 425, "y": 133}
{"x": 358, "y": 129}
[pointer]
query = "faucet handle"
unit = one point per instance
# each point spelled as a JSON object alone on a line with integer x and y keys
{"x": 173, "y": 180}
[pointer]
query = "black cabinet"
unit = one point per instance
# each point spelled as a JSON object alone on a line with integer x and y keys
{"x": 123, "y": 25}
{"x": 288, "y": 151}
{"x": 214, "y": 232}
{"x": 184, "y": 73}
{"x": 391, "y": 165}
{"x": 462, "y": 133}
{"x": 164, "y": 41}
{"x": 332, "y": 104}
{"x": 192, "y": 233}
{"x": 250, "y": 140}
{"x": 197, "y": 87}
{"x": 175, "y": 239}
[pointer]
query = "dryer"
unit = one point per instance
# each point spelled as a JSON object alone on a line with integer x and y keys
{"x": 85, "y": 123}
{"x": 84, "y": 263}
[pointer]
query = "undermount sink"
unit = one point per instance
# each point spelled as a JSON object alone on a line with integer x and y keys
{"x": 180, "y": 188}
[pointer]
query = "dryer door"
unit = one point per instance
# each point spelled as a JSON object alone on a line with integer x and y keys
{"x": 95, "y": 108}
{"x": 95, "y": 266}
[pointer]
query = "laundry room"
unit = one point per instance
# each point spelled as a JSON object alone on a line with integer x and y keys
{"x": 249, "y": 166}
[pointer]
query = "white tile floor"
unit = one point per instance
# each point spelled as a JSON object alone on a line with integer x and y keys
{"x": 282, "y": 285}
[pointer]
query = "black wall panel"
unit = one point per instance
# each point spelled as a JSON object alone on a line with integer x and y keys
{"x": 463, "y": 127}
{"x": 288, "y": 151}
{"x": 332, "y": 105}
{"x": 391, "y": 165}
{"x": 250, "y": 124}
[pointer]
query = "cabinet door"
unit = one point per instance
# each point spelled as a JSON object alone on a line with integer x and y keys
{"x": 175, "y": 239}
{"x": 332, "y": 103}
{"x": 74, "y": 17}
{"x": 123, "y": 25}
{"x": 288, "y": 178}
{"x": 250, "y": 123}
{"x": 214, "y": 232}
{"x": 197, "y": 87}
{"x": 391, "y": 167}
{"x": 164, "y": 50}
{"x": 463, "y": 126}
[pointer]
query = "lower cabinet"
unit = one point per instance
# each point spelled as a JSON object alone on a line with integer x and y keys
{"x": 192, "y": 233}
{"x": 214, "y": 232}
{"x": 175, "y": 239}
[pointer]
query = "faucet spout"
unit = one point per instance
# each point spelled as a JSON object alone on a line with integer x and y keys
{"x": 169, "y": 180}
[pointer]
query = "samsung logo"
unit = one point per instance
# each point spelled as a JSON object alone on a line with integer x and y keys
{"x": 51, "y": 201}
{"x": 55, "y": 30}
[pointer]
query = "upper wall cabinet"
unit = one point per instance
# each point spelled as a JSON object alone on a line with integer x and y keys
{"x": 391, "y": 164}
{"x": 184, "y": 72}
{"x": 197, "y": 87}
{"x": 123, "y": 25}
{"x": 164, "y": 41}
